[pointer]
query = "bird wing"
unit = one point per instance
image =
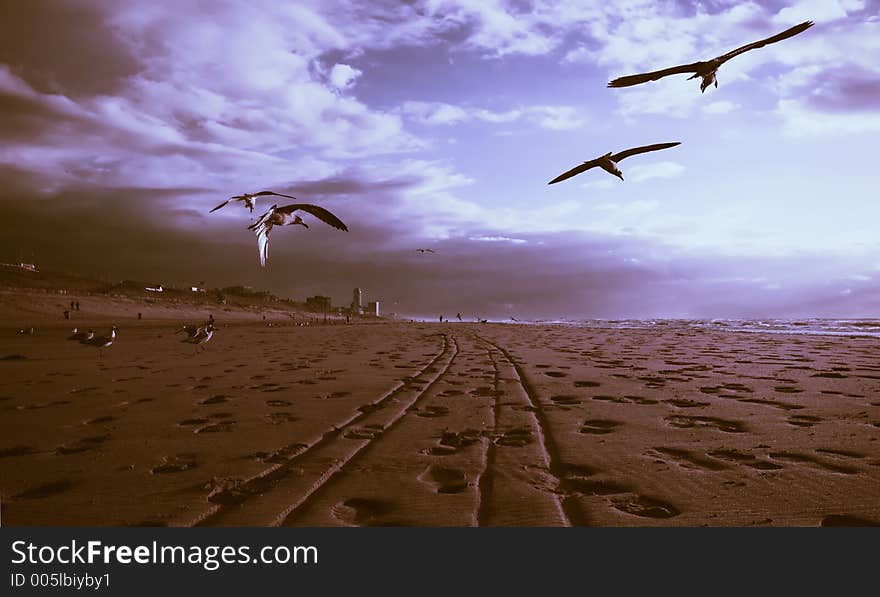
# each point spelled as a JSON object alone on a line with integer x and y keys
{"x": 770, "y": 40}
{"x": 263, "y": 243}
{"x": 430, "y": 250}
{"x": 574, "y": 171}
{"x": 264, "y": 193}
{"x": 263, "y": 218}
{"x": 319, "y": 212}
{"x": 654, "y": 75}
{"x": 219, "y": 206}
{"x": 644, "y": 149}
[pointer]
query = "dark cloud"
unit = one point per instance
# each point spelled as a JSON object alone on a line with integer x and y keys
{"x": 141, "y": 234}
{"x": 63, "y": 46}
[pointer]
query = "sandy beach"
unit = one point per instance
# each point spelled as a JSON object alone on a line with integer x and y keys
{"x": 417, "y": 424}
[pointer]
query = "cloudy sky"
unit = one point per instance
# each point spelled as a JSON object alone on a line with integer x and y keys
{"x": 437, "y": 123}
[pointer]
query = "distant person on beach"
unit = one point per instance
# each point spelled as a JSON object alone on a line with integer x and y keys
{"x": 72, "y": 307}
{"x": 66, "y": 314}
{"x": 77, "y": 305}
{"x": 441, "y": 319}
{"x": 458, "y": 315}
{"x": 140, "y": 315}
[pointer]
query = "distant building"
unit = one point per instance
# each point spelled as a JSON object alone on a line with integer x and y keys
{"x": 318, "y": 303}
{"x": 373, "y": 308}
{"x": 357, "y": 301}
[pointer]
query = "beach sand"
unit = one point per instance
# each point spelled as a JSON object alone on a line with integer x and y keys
{"x": 417, "y": 424}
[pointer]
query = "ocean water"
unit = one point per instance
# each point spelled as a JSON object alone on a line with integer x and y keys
{"x": 830, "y": 327}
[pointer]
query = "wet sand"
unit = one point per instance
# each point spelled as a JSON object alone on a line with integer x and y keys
{"x": 439, "y": 425}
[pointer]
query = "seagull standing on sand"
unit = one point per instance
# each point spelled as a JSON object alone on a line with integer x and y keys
{"x": 285, "y": 216}
{"x": 250, "y": 199}
{"x": 608, "y": 162}
{"x": 100, "y": 342}
{"x": 707, "y": 69}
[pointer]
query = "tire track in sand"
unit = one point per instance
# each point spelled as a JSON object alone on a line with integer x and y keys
{"x": 235, "y": 505}
{"x": 271, "y": 500}
{"x": 502, "y": 510}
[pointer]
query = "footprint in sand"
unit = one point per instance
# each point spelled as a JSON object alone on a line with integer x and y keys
{"x": 45, "y": 490}
{"x": 451, "y": 442}
{"x": 686, "y": 403}
{"x": 803, "y": 420}
{"x": 586, "y": 384}
{"x": 443, "y": 479}
{"x": 222, "y": 426}
{"x": 191, "y": 422}
{"x": 687, "y": 422}
{"x": 82, "y": 445}
{"x": 362, "y": 511}
{"x": 432, "y": 411}
{"x": 687, "y": 459}
{"x": 565, "y": 400}
{"x": 788, "y": 389}
{"x": 277, "y": 418}
{"x": 599, "y": 426}
{"x": 745, "y": 458}
{"x": 218, "y": 399}
{"x": 175, "y": 464}
{"x": 810, "y": 460}
{"x": 100, "y": 420}
{"x": 278, "y": 403}
{"x": 555, "y": 374}
{"x": 646, "y": 507}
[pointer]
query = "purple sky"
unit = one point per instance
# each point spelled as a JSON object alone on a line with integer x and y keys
{"x": 438, "y": 124}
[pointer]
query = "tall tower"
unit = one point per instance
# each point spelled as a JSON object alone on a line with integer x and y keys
{"x": 357, "y": 299}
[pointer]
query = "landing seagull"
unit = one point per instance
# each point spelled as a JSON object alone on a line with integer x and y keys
{"x": 250, "y": 199}
{"x": 201, "y": 335}
{"x": 706, "y": 69}
{"x": 608, "y": 162}
{"x": 285, "y": 216}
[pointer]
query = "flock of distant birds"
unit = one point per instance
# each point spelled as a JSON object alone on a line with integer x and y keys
{"x": 199, "y": 334}
{"x": 706, "y": 70}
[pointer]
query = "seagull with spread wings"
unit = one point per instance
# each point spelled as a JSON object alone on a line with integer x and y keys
{"x": 250, "y": 199}
{"x": 608, "y": 162}
{"x": 425, "y": 250}
{"x": 707, "y": 69}
{"x": 286, "y": 216}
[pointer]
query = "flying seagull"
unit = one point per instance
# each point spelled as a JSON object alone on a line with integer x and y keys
{"x": 285, "y": 216}
{"x": 425, "y": 250}
{"x": 250, "y": 199}
{"x": 706, "y": 69}
{"x": 608, "y": 162}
